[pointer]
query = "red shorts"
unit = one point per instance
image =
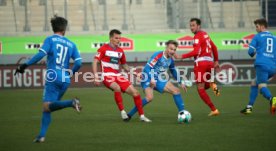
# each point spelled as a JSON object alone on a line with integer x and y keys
{"x": 203, "y": 71}
{"x": 120, "y": 80}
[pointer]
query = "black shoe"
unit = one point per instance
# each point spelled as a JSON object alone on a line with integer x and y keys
{"x": 247, "y": 110}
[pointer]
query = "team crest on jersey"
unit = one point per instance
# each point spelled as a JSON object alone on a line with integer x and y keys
{"x": 196, "y": 41}
{"x": 153, "y": 62}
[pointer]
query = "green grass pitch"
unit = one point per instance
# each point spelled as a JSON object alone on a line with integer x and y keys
{"x": 100, "y": 128}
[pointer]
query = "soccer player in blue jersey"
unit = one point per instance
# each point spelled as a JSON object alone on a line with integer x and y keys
{"x": 263, "y": 45}
{"x": 59, "y": 51}
{"x": 158, "y": 64}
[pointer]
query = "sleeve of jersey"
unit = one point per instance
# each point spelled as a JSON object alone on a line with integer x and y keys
{"x": 45, "y": 48}
{"x": 215, "y": 51}
{"x": 36, "y": 58}
{"x": 174, "y": 72}
{"x": 123, "y": 59}
{"x": 252, "y": 47}
{"x": 99, "y": 54}
{"x": 195, "y": 51}
{"x": 77, "y": 60}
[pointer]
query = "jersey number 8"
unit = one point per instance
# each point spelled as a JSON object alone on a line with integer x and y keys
{"x": 269, "y": 45}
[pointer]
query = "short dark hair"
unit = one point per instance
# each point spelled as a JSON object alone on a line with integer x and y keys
{"x": 59, "y": 24}
{"x": 114, "y": 31}
{"x": 261, "y": 21}
{"x": 197, "y": 20}
{"x": 172, "y": 42}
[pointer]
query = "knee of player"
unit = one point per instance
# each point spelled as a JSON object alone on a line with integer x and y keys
{"x": 176, "y": 91}
{"x": 135, "y": 93}
{"x": 149, "y": 98}
{"x": 261, "y": 85}
{"x": 46, "y": 107}
{"x": 117, "y": 89}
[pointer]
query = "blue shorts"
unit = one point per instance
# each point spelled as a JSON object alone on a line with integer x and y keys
{"x": 160, "y": 85}
{"x": 53, "y": 91}
{"x": 263, "y": 73}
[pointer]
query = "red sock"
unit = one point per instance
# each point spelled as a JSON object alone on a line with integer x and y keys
{"x": 207, "y": 85}
{"x": 204, "y": 96}
{"x": 119, "y": 100}
{"x": 138, "y": 104}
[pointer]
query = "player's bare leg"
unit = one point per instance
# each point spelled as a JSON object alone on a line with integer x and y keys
{"x": 170, "y": 88}
{"x": 148, "y": 98}
{"x": 138, "y": 102}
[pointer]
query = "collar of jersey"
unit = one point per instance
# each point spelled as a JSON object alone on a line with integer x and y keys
{"x": 113, "y": 48}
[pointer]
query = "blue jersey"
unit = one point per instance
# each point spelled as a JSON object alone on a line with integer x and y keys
{"x": 160, "y": 63}
{"x": 59, "y": 51}
{"x": 264, "y": 46}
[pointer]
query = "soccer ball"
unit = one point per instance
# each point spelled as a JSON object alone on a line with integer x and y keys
{"x": 187, "y": 83}
{"x": 184, "y": 117}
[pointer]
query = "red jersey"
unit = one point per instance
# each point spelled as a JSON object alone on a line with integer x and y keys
{"x": 204, "y": 48}
{"x": 110, "y": 59}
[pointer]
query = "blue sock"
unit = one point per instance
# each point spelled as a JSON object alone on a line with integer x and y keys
{"x": 134, "y": 110}
{"x": 253, "y": 95}
{"x": 266, "y": 93}
{"x": 57, "y": 105}
{"x": 179, "y": 102}
{"x": 45, "y": 122}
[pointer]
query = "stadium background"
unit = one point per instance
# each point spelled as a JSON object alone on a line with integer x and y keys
{"x": 146, "y": 25}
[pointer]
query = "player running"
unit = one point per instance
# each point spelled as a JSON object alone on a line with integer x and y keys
{"x": 111, "y": 56}
{"x": 59, "y": 51}
{"x": 158, "y": 64}
{"x": 263, "y": 45}
{"x": 206, "y": 59}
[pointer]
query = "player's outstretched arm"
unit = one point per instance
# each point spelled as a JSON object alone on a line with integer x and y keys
{"x": 126, "y": 67}
{"x": 33, "y": 60}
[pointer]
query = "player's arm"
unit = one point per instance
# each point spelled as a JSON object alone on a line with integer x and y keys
{"x": 147, "y": 71}
{"x": 176, "y": 76}
{"x": 77, "y": 60}
{"x": 123, "y": 63}
{"x": 96, "y": 61}
{"x": 126, "y": 67}
{"x": 252, "y": 47}
{"x": 215, "y": 54}
{"x": 43, "y": 51}
{"x": 195, "y": 51}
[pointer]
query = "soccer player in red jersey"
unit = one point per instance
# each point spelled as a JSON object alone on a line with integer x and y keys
{"x": 111, "y": 56}
{"x": 206, "y": 59}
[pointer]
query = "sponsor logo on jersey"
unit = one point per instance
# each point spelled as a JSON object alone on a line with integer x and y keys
{"x": 114, "y": 54}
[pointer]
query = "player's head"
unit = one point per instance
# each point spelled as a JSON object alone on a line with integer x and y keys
{"x": 195, "y": 25}
{"x": 171, "y": 47}
{"x": 59, "y": 24}
{"x": 115, "y": 37}
{"x": 261, "y": 25}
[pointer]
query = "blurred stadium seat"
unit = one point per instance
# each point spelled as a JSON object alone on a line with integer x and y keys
{"x": 132, "y": 15}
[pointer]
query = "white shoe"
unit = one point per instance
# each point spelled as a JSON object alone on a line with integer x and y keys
{"x": 144, "y": 119}
{"x": 39, "y": 140}
{"x": 124, "y": 115}
{"x": 76, "y": 104}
